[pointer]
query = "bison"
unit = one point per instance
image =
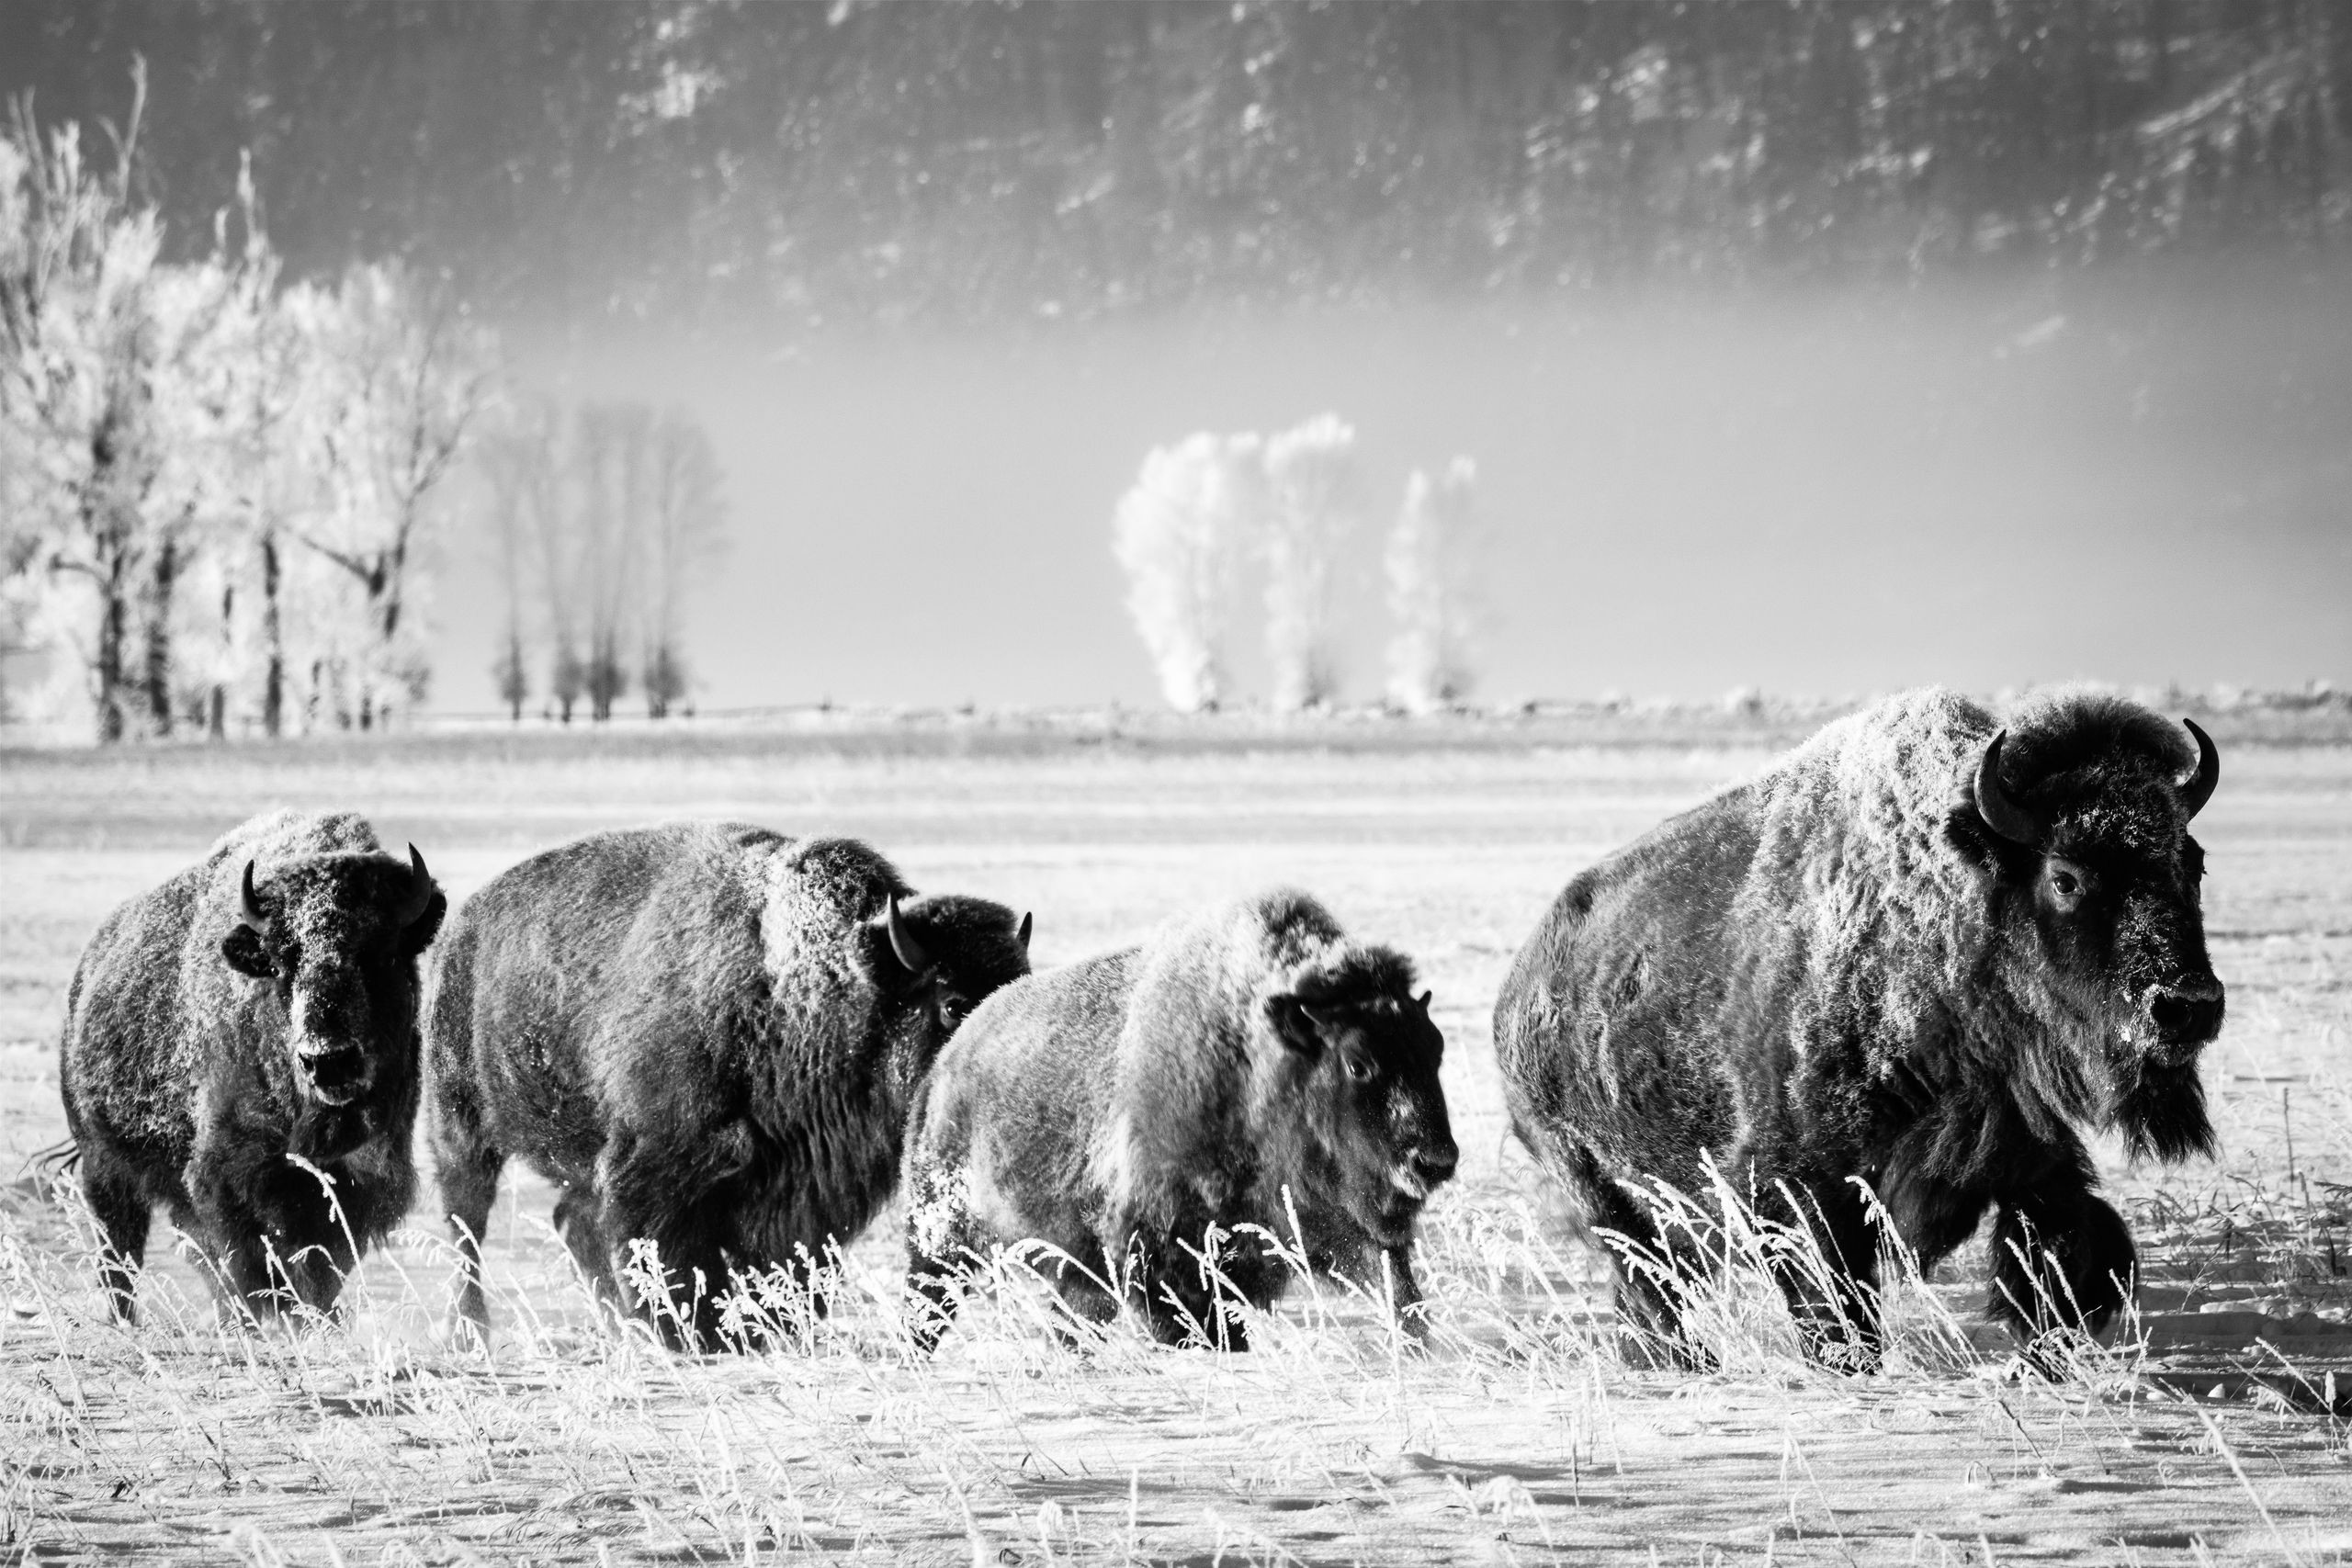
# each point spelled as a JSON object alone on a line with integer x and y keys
{"x": 240, "y": 1047}
{"x": 1916, "y": 955}
{"x": 707, "y": 1035}
{"x": 1246, "y": 1066}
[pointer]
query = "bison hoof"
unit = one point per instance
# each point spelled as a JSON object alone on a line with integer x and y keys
{"x": 2060, "y": 1355}
{"x": 1649, "y": 1351}
{"x": 1840, "y": 1353}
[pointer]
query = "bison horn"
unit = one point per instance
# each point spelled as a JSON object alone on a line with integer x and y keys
{"x": 420, "y": 892}
{"x": 2197, "y": 788}
{"x": 248, "y": 907}
{"x": 2001, "y": 814}
{"x": 1023, "y": 934}
{"x": 903, "y": 943}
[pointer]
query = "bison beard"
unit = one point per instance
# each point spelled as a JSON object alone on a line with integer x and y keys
{"x": 1249, "y": 1066}
{"x": 184, "y": 1071}
{"x": 1914, "y": 955}
{"x": 707, "y": 1035}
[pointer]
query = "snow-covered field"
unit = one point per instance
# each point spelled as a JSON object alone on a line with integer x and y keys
{"x": 2217, "y": 1429}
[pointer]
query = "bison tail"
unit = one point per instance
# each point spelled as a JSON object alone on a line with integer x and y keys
{"x": 58, "y": 1160}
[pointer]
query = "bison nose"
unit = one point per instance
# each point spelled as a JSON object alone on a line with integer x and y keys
{"x": 1434, "y": 1163}
{"x": 337, "y": 1074}
{"x": 2187, "y": 1012}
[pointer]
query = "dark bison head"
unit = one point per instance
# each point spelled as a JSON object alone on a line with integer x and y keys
{"x": 338, "y": 936}
{"x": 1362, "y": 1078}
{"x": 2082, "y": 818}
{"x": 936, "y": 958}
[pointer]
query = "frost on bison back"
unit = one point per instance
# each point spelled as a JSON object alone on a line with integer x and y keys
{"x": 1914, "y": 958}
{"x": 240, "y": 1047}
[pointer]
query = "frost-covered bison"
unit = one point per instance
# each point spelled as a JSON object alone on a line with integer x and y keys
{"x": 707, "y": 1035}
{"x": 240, "y": 1047}
{"x": 1242, "y": 1066}
{"x": 1918, "y": 953}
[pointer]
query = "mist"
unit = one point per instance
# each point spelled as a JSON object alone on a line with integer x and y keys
{"x": 2134, "y": 478}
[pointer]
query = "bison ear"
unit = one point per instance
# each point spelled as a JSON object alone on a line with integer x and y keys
{"x": 241, "y": 947}
{"x": 1294, "y": 1024}
{"x": 1985, "y": 852}
{"x": 418, "y": 934}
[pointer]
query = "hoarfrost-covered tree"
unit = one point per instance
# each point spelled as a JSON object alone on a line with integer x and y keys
{"x": 406, "y": 371}
{"x": 78, "y": 341}
{"x": 1178, "y": 534}
{"x": 1433, "y": 594}
{"x": 198, "y": 312}
{"x": 227, "y": 385}
{"x": 168, "y": 429}
{"x": 1311, "y": 506}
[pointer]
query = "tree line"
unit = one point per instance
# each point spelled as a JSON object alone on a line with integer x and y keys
{"x": 1070, "y": 159}
{"x": 223, "y": 488}
{"x": 600, "y": 513}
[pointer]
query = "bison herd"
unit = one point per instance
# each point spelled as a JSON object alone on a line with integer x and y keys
{"x": 1888, "y": 983}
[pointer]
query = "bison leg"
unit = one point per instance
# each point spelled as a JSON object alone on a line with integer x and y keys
{"x": 271, "y": 1229}
{"x": 642, "y": 1209}
{"x": 467, "y": 1189}
{"x": 2063, "y": 1259}
{"x": 1652, "y": 1275}
{"x": 941, "y": 1239}
{"x": 934, "y": 1291}
{"x": 1405, "y": 1292}
{"x": 123, "y": 1216}
{"x": 466, "y": 1168}
{"x": 1183, "y": 1304}
{"x": 312, "y": 1232}
{"x": 578, "y": 1221}
{"x": 1087, "y": 1302}
{"x": 1831, "y": 1280}
{"x": 280, "y": 1246}
{"x": 1179, "y": 1311}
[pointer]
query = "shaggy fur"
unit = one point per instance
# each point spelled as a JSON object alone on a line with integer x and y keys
{"x": 1838, "y": 971}
{"x": 182, "y": 1069}
{"x": 702, "y": 1034}
{"x": 1242, "y": 1067}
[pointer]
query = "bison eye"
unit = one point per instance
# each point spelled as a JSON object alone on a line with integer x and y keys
{"x": 1359, "y": 1068}
{"x": 2068, "y": 885}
